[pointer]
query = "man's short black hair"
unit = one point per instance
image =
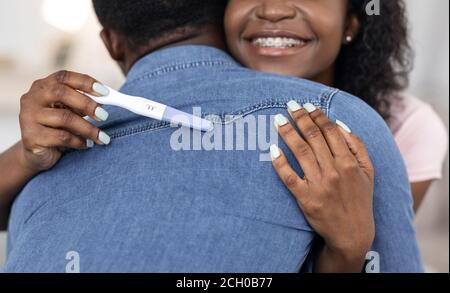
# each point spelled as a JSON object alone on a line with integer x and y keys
{"x": 145, "y": 20}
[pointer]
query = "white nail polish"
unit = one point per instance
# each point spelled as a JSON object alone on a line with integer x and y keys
{"x": 100, "y": 89}
{"x": 104, "y": 138}
{"x": 89, "y": 143}
{"x": 293, "y": 106}
{"x": 274, "y": 152}
{"x": 280, "y": 120}
{"x": 343, "y": 126}
{"x": 309, "y": 107}
{"x": 101, "y": 114}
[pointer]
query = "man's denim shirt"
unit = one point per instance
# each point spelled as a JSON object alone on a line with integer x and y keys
{"x": 158, "y": 199}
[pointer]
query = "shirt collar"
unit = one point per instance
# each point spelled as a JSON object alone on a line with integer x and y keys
{"x": 178, "y": 56}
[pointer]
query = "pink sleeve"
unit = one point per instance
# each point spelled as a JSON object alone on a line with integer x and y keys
{"x": 423, "y": 141}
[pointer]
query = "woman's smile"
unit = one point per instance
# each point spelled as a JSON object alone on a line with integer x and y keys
{"x": 294, "y": 38}
{"x": 275, "y": 43}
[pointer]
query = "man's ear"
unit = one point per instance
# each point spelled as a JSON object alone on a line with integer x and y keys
{"x": 115, "y": 44}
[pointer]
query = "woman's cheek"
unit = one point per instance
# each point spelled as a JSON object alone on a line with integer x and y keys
{"x": 330, "y": 35}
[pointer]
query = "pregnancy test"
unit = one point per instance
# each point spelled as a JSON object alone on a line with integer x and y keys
{"x": 152, "y": 109}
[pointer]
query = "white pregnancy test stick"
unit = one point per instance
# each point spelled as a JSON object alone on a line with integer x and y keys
{"x": 152, "y": 109}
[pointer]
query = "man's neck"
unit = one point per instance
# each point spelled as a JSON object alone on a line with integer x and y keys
{"x": 209, "y": 35}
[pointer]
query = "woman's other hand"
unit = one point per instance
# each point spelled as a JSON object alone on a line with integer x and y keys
{"x": 336, "y": 192}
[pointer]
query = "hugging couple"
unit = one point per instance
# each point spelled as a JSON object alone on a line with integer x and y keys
{"x": 110, "y": 190}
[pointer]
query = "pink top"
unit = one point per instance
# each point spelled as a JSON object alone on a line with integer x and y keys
{"x": 421, "y": 137}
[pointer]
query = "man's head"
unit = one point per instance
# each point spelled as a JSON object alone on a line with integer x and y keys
{"x": 133, "y": 28}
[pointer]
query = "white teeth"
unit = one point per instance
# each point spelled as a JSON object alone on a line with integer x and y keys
{"x": 277, "y": 42}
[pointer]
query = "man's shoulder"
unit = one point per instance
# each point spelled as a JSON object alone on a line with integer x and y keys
{"x": 195, "y": 69}
{"x": 278, "y": 83}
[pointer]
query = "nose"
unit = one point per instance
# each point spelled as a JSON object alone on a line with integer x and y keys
{"x": 275, "y": 11}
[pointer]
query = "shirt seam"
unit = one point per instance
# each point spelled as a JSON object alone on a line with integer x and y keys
{"x": 324, "y": 102}
{"x": 425, "y": 174}
{"x": 177, "y": 67}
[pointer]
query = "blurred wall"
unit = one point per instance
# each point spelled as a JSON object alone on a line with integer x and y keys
{"x": 430, "y": 81}
{"x": 27, "y": 52}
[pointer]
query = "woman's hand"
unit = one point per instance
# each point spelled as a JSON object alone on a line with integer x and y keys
{"x": 336, "y": 192}
{"x": 51, "y": 118}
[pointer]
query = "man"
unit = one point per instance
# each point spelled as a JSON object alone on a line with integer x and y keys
{"x": 142, "y": 205}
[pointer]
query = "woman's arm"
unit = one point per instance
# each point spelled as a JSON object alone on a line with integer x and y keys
{"x": 14, "y": 174}
{"x": 336, "y": 192}
{"x": 51, "y": 118}
{"x": 419, "y": 191}
{"x": 335, "y": 261}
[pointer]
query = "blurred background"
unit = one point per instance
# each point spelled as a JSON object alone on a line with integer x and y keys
{"x": 38, "y": 37}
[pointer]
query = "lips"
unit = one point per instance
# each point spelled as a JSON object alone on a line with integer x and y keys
{"x": 276, "y": 34}
{"x": 276, "y": 42}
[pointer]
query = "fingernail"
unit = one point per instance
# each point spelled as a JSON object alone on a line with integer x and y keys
{"x": 100, "y": 89}
{"x": 293, "y": 106}
{"x": 309, "y": 107}
{"x": 274, "y": 152}
{"x": 101, "y": 114}
{"x": 89, "y": 143}
{"x": 280, "y": 120}
{"x": 104, "y": 138}
{"x": 343, "y": 126}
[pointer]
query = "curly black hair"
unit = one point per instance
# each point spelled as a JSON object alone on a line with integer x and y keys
{"x": 377, "y": 64}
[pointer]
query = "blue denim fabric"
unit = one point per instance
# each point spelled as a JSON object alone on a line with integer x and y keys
{"x": 137, "y": 205}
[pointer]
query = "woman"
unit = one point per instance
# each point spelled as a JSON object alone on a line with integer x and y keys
{"x": 330, "y": 195}
{"x": 336, "y": 43}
